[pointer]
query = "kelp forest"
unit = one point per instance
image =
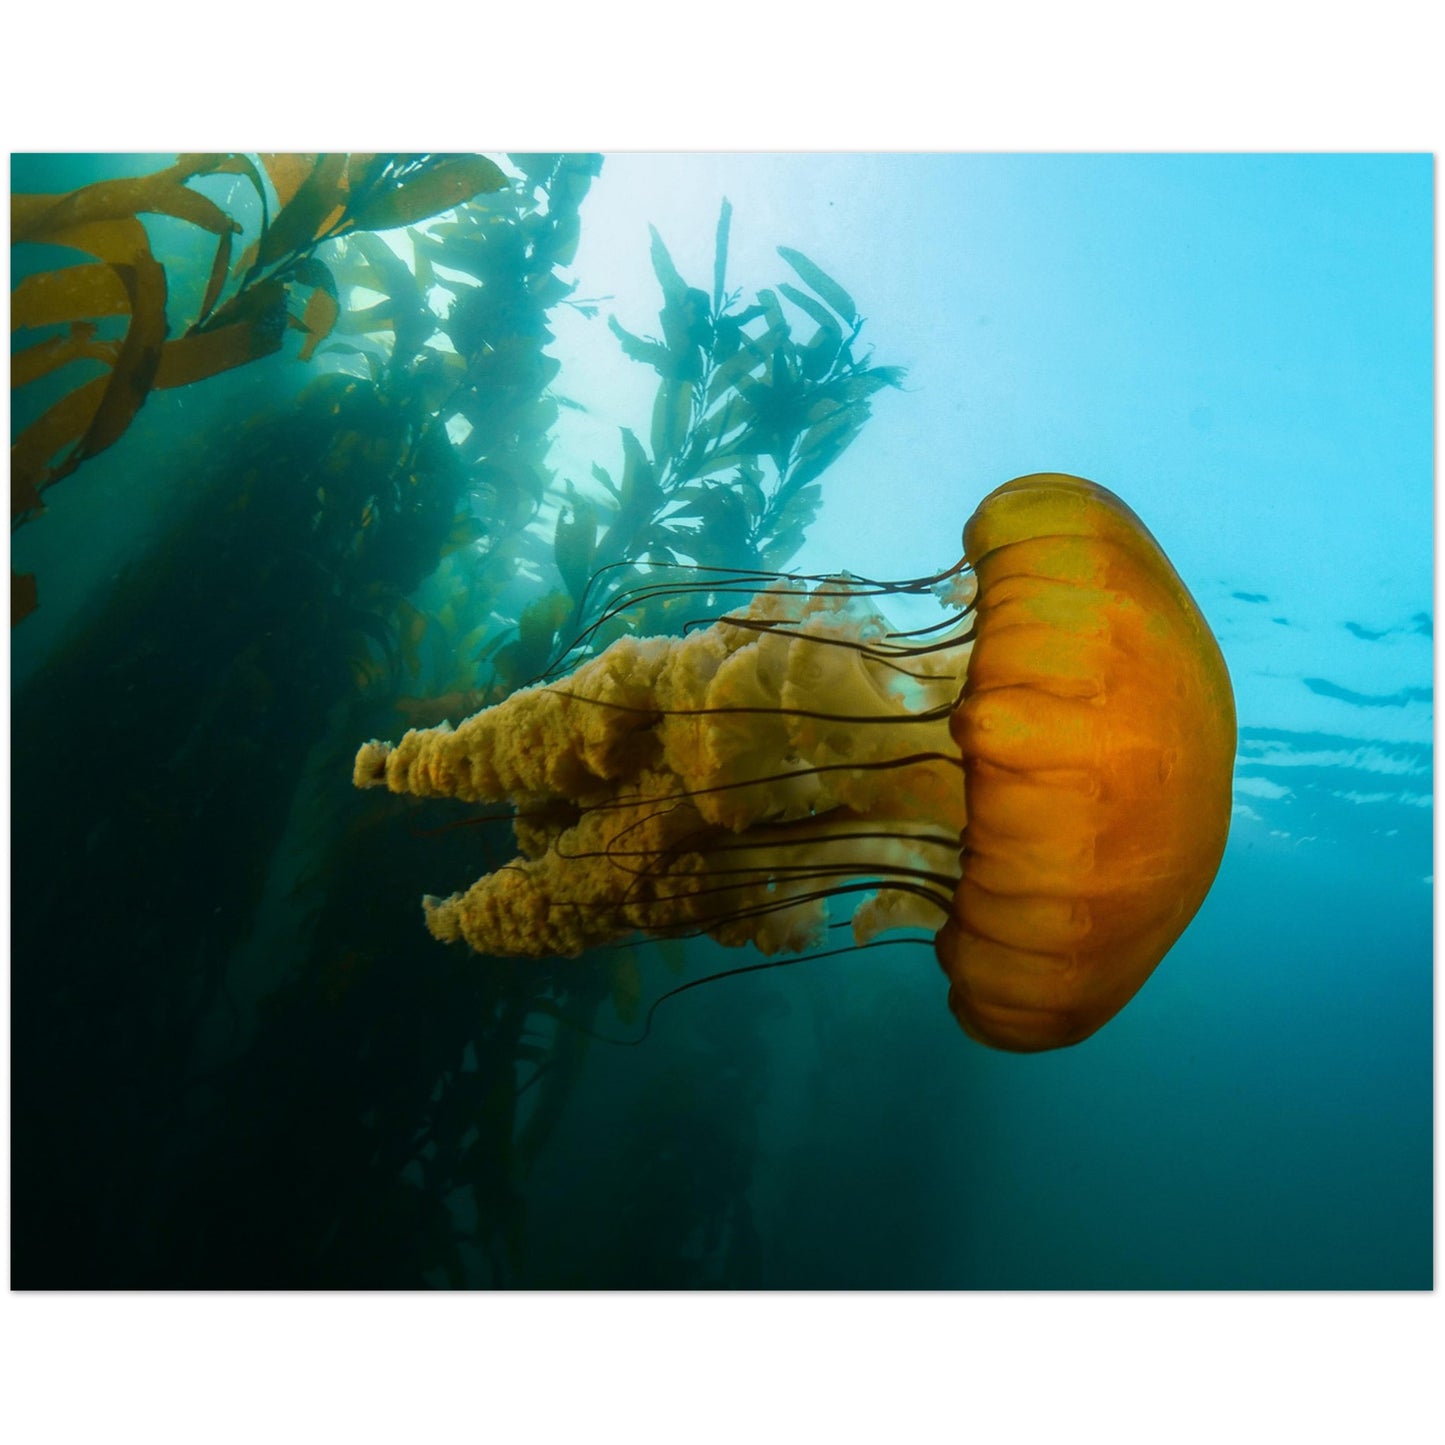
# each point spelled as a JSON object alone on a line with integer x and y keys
{"x": 305, "y": 410}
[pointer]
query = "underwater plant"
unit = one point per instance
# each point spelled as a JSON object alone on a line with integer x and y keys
{"x": 251, "y": 617}
{"x": 1047, "y": 782}
{"x": 113, "y": 310}
{"x": 748, "y": 415}
{"x": 227, "y": 1071}
{"x": 502, "y": 1055}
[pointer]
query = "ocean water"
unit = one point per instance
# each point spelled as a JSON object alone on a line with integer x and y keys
{"x": 241, "y": 1061}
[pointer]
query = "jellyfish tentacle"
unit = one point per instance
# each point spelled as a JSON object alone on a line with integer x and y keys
{"x": 741, "y": 582}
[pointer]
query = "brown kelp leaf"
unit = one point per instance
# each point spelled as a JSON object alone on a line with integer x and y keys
{"x": 247, "y": 258}
{"x": 379, "y": 317}
{"x": 140, "y": 354}
{"x": 429, "y": 711}
{"x": 566, "y": 237}
{"x": 823, "y": 445}
{"x": 98, "y": 412}
{"x": 256, "y": 325}
{"x": 375, "y": 367}
{"x": 603, "y": 476}
{"x": 241, "y": 165}
{"x": 638, "y": 476}
{"x": 318, "y": 319}
{"x": 119, "y": 240}
{"x": 208, "y": 353}
{"x": 363, "y": 167}
{"x": 753, "y": 353}
{"x": 816, "y": 310}
{"x": 69, "y": 293}
{"x": 60, "y": 425}
{"x": 220, "y": 269}
{"x": 257, "y": 299}
{"x": 43, "y": 218}
{"x": 305, "y": 217}
{"x": 446, "y": 182}
{"x": 288, "y": 169}
{"x": 313, "y": 272}
{"x": 687, "y": 329}
{"x": 322, "y": 307}
{"x": 57, "y": 351}
{"x": 22, "y": 596}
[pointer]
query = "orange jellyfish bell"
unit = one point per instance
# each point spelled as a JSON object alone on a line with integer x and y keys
{"x": 1097, "y": 729}
{"x": 1048, "y": 777}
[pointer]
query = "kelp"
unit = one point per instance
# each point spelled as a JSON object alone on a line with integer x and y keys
{"x": 382, "y": 541}
{"x": 187, "y": 709}
{"x": 186, "y": 712}
{"x": 746, "y": 418}
{"x": 489, "y": 385}
{"x": 706, "y": 488}
{"x": 244, "y": 310}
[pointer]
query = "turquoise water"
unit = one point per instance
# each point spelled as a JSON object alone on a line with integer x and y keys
{"x": 1241, "y": 347}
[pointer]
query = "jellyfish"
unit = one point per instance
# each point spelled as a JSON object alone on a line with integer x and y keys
{"x": 1043, "y": 781}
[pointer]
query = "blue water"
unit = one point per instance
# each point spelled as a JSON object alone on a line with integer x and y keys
{"x": 1241, "y": 347}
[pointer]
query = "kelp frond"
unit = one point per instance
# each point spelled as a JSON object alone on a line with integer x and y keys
{"x": 244, "y": 311}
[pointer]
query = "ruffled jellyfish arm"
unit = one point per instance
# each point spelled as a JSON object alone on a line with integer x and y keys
{"x": 1097, "y": 727}
{"x": 722, "y": 782}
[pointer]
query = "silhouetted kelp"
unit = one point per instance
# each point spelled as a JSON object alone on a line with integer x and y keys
{"x": 336, "y": 1106}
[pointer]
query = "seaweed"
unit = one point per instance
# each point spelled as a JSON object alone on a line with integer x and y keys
{"x": 747, "y": 417}
{"x": 241, "y": 1060}
{"x": 242, "y": 314}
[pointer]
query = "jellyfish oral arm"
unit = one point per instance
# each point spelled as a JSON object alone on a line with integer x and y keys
{"x": 726, "y": 782}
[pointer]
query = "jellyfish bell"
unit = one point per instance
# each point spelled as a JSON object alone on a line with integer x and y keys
{"x": 1097, "y": 730}
{"x": 1043, "y": 783}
